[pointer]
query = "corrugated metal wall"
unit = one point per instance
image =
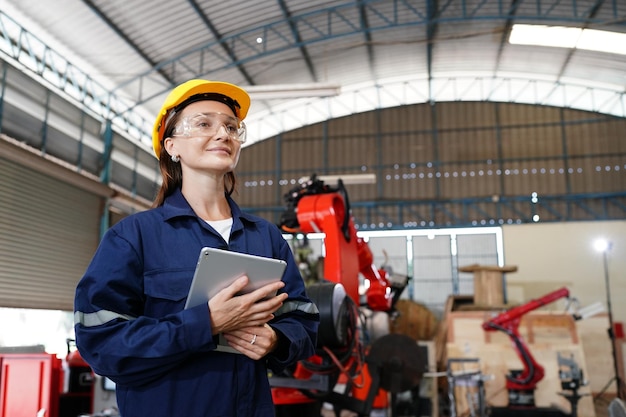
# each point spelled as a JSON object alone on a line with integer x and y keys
{"x": 48, "y": 233}
{"x": 447, "y": 151}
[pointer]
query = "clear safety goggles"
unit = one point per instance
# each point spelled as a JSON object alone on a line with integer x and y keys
{"x": 209, "y": 124}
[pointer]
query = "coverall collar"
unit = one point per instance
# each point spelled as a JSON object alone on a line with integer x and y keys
{"x": 175, "y": 205}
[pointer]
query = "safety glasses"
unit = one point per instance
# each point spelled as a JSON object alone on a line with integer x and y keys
{"x": 209, "y": 124}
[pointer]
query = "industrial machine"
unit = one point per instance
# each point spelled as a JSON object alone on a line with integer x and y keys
{"x": 36, "y": 383}
{"x": 572, "y": 380}
{"x": 521, "y": 384}
{"x": 366, "y": 373}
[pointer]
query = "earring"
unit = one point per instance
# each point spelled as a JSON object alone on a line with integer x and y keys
{"x": 175, "y": 158}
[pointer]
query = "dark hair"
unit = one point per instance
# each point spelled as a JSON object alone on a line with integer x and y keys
{"x": 171, "y": 172}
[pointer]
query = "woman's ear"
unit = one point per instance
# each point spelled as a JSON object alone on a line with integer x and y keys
{"x": 168, "y": 145}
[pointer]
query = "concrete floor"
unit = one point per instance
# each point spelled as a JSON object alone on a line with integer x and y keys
{"x": 601, "y": 409}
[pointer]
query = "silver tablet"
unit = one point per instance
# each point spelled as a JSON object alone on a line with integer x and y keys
{"x": 218, "y": 268}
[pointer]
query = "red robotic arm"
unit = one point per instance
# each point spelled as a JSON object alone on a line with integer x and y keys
{"x": 319, "y": 208}
{"x": 508, "y": 322}
{"x": 316, "y": 207}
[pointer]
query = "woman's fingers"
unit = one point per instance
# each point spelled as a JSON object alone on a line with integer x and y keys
{"x": 254, "y": 341}
{"x": 266, "y": 291}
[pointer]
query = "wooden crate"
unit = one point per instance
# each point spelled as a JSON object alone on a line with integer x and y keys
{"x": 488, "y": 283}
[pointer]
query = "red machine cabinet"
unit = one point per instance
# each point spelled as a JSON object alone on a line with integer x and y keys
{"x": 30, "y": 385}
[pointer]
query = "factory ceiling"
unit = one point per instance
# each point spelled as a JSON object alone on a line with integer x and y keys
{"x": 308, "y": 61}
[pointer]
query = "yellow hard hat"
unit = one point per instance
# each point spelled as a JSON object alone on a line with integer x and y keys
{"x": 203, "y": 89}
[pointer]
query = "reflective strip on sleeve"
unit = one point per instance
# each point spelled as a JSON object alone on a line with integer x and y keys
{"x": 98, "y": 318}
{"x": 290, "y": 306}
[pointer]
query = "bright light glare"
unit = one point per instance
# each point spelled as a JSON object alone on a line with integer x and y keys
{"x": 556, "y": 36}
{"x": 569, "y": 37}
{"x": 603, "y": 41}
{"x": 601, "y": 245}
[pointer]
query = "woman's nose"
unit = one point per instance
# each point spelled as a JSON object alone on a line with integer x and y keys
{"x": 222, "y": 132}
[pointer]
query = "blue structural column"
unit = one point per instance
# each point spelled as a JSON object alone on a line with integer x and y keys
{"x": 105, "y": 174}
{"x": 3, "y": 87}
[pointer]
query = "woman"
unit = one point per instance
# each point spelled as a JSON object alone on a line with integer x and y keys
{"x": 129, "y": 318}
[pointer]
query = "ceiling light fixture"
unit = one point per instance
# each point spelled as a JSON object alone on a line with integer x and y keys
{"x": 569, "y": 37}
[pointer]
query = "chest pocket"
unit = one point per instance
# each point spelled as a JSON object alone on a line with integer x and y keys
{"x": 166, "y": 291}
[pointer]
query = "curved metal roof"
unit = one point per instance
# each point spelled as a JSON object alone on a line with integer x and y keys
{"x": 120, "y": 58}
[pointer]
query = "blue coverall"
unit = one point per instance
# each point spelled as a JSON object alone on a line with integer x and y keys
{"x": 131, "y": 326}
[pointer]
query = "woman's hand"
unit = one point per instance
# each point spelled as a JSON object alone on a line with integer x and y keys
{"x": 230, "y": 312}
{"x": 254, "y": 342}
